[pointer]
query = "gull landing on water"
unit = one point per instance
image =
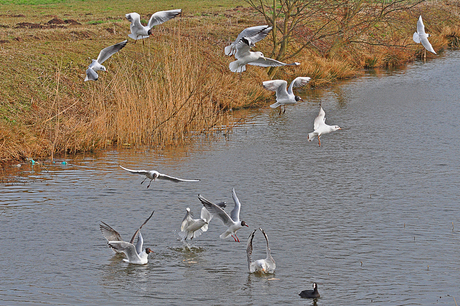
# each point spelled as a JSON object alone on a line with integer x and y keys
{"x": 421, "y": 37}
{"x": 233, "y": 223}
{"x": 138, "y": 31}
{"x": 135, "y": 254}
{"x": 262, "y": 266}
{"x": 153, "y": 175}
{"x": 192, "y": 228}
{"x": 320, "y": 127}
{"x": 285, "y": 96}
{"x": 96, "y": 64}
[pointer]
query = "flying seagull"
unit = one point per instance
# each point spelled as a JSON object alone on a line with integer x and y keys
{"x": 320, "y": 127}
{"x": 153, "y": 174}
{"x": 135, "y": 254}
{"x": 262, "y": 266}
{"x": 421, "y": 37}
{"x": 284, "y": 96}
{"x": 245, "y": 56}
{"x": 191, "y": 228}
{"x": 310, "y": 294}
{"x": 138, "y": 31}
{"x": 253, "y": 34}
{"x": 96, "y": 64}
{"x": 232, "y": 222}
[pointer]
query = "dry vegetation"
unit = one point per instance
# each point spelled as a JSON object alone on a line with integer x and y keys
{"x": 160, "y": 91}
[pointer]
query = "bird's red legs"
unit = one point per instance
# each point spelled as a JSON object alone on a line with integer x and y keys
{"x": 150, "y": 183}
{"x": 236, "y": 238}
{"x": 143, "y": 181}
{"x": 319, "y": 141}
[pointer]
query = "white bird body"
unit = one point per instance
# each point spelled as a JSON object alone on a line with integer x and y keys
{"x": 135, "y": 254}
{"x": 263, "y": 266}
{"x": 285, "y": 95}
{"x": 138, "y": 31}
{"x": 192, "y": 228}
{"x": 253, "y": 34}
{"x": 232, "y": 222}
{"x": 96, "y": 64}
{"x": 421, "y": 37}
{"x": 320, "y": 127}
{"x": 153, "y": 175}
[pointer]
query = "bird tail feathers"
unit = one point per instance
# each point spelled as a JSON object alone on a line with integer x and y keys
{"x": 235, "y": 67}
{"x": 275, "y": 105}
{"x": 228, "y": 50}
{"x": 416, "y": 38}
{"x": 311, "y": 136}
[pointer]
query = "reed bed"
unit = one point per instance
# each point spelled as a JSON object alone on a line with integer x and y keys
{"x": 160, "y": 91}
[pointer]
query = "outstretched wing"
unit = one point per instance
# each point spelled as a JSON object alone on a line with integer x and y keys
{"x": 269, "y": 62}
{"x": 109, "y": 51}
{"x": 279, "y": 86}
{"x": 174, "y": 179}
{"x": 249, "y": 248}
{"x": 109, "y": 233}
{"x": 162, "y": 16}
{"x": 427, "y": 44}
{"x": 91, "y": 75}
{"x": 298, "y": 82}
{"x": 255, "y": 34}
{"x": 216, "y": 211}
{"x": 235, "y": 214}
{"x": 138, "y": 230}
{"x": 320, "y": 119}
{"x": 135, "y": 20}
{"x": 420, "y": 26}
{"x": 143, "y": 172}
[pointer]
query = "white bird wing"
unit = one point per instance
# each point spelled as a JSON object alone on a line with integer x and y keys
{"x": 269, "y": 62}
{"x": 420, "y": 26}
{"x": 216, "y": 211}
{"x": 143, "y": 172}
{"x": 91, "y": 75}
{"x": 138, "y": 230}
{"x": 135, "y": 20}
{"x": 174, "y": 179}
{"x": 416, "y": 37}
{"x": 109, "y": 51}
{"x": 242, "y": 49}
{"x": 279, "y": 86}
{"x": 127, "y": 248}
{"x": 249, "y": 248}
{"x": 187, "y": 219}
{"x": 320, "y": 119}
{"x": 109, "y": 233}
{"x": 235, "y": 214}
{"x": 140, "y": 243}
{"x": 255, "y": 34}
{"x": 298, "y": 82}
{"x": 268, "y": 246}
{"x": 427, "y": 44}
{"x": 162, "y": 16}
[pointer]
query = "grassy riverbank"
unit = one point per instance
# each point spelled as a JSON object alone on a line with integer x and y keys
{"x": 160, "y": 91}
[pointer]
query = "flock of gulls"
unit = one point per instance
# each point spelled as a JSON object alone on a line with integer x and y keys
{"x": 191, "y": 228}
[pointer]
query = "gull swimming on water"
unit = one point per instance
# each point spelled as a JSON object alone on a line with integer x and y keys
{"x": 191, "y": 228}
{"x": 310, "y": 294}
{"x": 138, "y": 31}
{"x": 320, "y": 127}
{"x": 421, "y": 37}
{"x": 153, "y": 174}
{"x": 245, "y": 56}
{"x": 96, "y": 64}
{"x": 233, "y": 223}
{"x": 135, "y": 254}
{"x": 252, "y": 34}
{"x": 266, "y": 265}
{"x": 284, "y": 96}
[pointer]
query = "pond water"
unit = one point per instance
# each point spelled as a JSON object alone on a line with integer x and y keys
{"x": 372, "y": 215}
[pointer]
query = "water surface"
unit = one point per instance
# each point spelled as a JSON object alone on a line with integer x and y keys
{"x": 372, "y": 216}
